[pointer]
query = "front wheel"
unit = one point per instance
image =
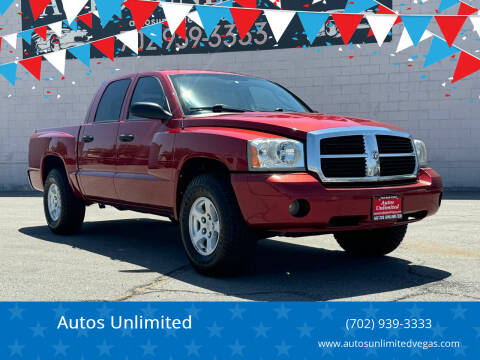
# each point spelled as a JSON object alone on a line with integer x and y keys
{"x": 215, "y": 236}
{"x": 376, "y": 242}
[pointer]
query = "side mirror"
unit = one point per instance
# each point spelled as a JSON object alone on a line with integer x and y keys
{"x": 150, "y": 110}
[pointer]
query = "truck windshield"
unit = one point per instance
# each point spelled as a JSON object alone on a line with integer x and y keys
{"x": 215, "y": 93}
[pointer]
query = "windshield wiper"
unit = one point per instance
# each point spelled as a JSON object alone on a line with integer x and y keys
{"x": 218, "y": 108}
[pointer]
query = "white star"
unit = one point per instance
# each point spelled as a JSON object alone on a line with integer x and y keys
{"x": 104, "y": 311}
{"x": 459, "y": 312}
{"x": 415, "y": 311}
{"x": 349, "y": 332}
{"x": 371, "y": 311}
{"x": 193, "y": 348}
{"x": 61, "y": 348}
{"x": 170, "y": 332}
{"x": 104, "y": 348}
{"x": 305, "y": 330}
{"x": 327, "y": 312}
{"x": 60, "y": 311}
{"x": 38, "y": 330}
{"x": 16, "y": 349}
{"x": 215, "y": 330}
{"x": 148, "y": 348}
{"x": 261, "y": 330}
{"x": 282, "y": 312}
{"x": 394, "y": 332}
{"x": 461, "y": 350}
{"x": 283, "y": 348}
{"x": 437, "y": 330}
{"x": 237, "y": 312}
{"x": 16, "y": 312}
{"x": 237, "y": 349}
{"x": 193, "y": 310}
{"x": 149, "y": 311}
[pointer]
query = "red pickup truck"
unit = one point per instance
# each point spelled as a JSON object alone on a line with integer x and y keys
{"x": 233, "y": 159}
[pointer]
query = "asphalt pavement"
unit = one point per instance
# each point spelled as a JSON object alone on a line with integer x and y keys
{"x": 122, "y": 255}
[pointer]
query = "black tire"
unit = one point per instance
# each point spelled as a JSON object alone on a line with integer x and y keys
{"x": 236, "y": 242}
{"x": 72, "y": 209}
{"x": 376, "y": 242}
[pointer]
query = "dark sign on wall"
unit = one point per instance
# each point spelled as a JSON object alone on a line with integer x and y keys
{"x": 223, "y": 38}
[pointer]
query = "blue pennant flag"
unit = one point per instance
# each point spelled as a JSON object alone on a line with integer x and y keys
{"x": 154, "y": 33}
{"x": 210, "y": 17}
{"x": 26, "y": 35}
{"x": 107, "y": 8}
{"x": 416, "y": 26}
{"x": 4, "y": 5}
{"x": 357, "y": 6}
{"x": 312, "y": 23}
{"x": 9, "y": 72}
{"x": 82, "y": 53}
{"x": 438, "y": 51}
{"x": 445, "y": 4}
{"x": 73, "y": 25}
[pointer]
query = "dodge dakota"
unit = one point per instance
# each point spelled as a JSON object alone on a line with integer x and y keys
{"x": 233, "y": 159}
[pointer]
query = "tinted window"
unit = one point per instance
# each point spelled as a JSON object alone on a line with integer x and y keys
{"x": 148, "y": 89}
{"x": 110, "y": 105}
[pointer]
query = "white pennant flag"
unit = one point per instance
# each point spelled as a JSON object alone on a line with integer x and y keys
{"x": 381, "y": 25}
{"x": 405, "y": 41}
{"x": 11, "y": 40}
{"x": 57, "y": 59}
{"x": 56, "y": 28}
{"x": 278, "y": 21}
{"x": 475, "y": 19}
{"x": 72, "y": 8}
{"x": 129, "y": 38}
{"x": 196, "y": 18}
{"x": 175, "y": 13}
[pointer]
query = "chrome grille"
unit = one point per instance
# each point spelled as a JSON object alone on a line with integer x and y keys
{"x": 361, "y": 154}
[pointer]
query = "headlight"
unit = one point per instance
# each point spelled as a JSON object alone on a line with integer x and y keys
{"x": 275, "y": 154}
{"x": 421, "y": 150}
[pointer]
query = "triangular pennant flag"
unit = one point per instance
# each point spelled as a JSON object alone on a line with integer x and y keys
{"x": 244, "y": 19}
{"x": 278, "y": 21}
{"x": 38, "y": 7}
{"x": 196, "y": 18}
{"x": 141, "y": 10}
{"x": 465, "y": 9}
{"x": 405, "y": 42}
{"x": 252, "y": 4}
{"x": 82, "y": 53}
{"x": 11, "y": 40}
{"x": 312, "y": 22}
{"x": 384, "y": 10}
{"x": 182, "y": 29}
{"x": 450, "y": 26}
{"x": 381, "y": 25}
{"x": 73, "y": 7}
{"x": 4, "y": 5}
{"x": 347, "y": 24}
{"x": 33, "y": 66}
{"x": 175, "y": 14}
{"x": 56, "y": 28}
{"x": 86, "y": 19}
{"x": 154, "y": 33}
{"x": 445, "y": 4}
{"x": 9, "y": 72}
{"x": 130, "y": 39}
{"x": 438, "y": 51}
{"x": 57, "y": 59}
{"x": 277, "y": 3}
{"x": 0, "y": 44}
{"x": 210, "y": 16}
{"x": 107, "y": 8}
{"x": 26, "y": 35}
{"x": 106, "y": 46}
{"x": 467, "y": 64}
{"x": 73, "y": 25}
{"x": 41, "y": 31}
{"x": 357, "y": 6}
{"x": 475, "y": 19}
{"x": 416, "y": 26}
{"x": 228, "y": 3}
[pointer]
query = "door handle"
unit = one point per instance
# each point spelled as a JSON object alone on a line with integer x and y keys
{"x": 87, "y": 138}
{"x": 126, "y": 137}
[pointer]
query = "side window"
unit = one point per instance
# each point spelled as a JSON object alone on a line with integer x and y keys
{"x": 148, "y": 89}
{"x": 110, "y": 105}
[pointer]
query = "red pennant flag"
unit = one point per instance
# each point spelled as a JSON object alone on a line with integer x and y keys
{"x": 33, "y": 66}
{"x": 38, "y": 6}
{"x": 0, "y": 44}
{"x": 182, "y": 29}
{"x": 244, "y": 19}
{"x": 347, "y": 24}
{"x": 86, "y": 19}
{"x": 450, "y": 26}
{"x": 140, "y": 10}
{"x": 42, "y": 31}
{"x": 466, "y": 9}
{"x": 106, "y": 46}
{"x": 467, "y": 64}
{"x": 252, "y": 4}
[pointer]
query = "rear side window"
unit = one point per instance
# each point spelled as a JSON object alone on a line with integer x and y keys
{"x": 148, "y": 89}
{"x": 110, "y": 105}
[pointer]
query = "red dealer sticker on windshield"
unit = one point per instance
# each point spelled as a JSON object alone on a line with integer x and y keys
{"x": 387, "y": 207}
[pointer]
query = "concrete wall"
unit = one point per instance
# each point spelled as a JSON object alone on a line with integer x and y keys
{"x": 373, "y": 84}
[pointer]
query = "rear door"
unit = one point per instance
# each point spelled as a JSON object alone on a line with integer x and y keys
{"x": 97, "y": 143}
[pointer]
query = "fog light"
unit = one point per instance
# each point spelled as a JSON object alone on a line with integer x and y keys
{"x": 299, "y": 208}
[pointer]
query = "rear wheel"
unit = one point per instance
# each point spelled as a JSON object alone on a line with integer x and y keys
{"x": 64, "y": 212}
{"x": 376, "y": 242}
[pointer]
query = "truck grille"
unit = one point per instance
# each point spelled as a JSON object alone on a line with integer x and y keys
{"x": 361, "y": 154}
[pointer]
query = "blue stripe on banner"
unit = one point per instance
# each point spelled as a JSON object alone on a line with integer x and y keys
{"x": 221, "y": 330}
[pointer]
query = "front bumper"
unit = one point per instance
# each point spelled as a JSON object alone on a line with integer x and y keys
{"x": 264, "y": 200}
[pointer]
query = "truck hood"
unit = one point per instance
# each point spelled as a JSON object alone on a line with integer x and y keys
{"x": 295, "y": 125}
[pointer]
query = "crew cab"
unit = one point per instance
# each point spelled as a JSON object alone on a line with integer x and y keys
{"x": 233, "y": 159}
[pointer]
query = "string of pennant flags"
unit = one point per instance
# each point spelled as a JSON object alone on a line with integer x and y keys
{"x": 244, "y": 17}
